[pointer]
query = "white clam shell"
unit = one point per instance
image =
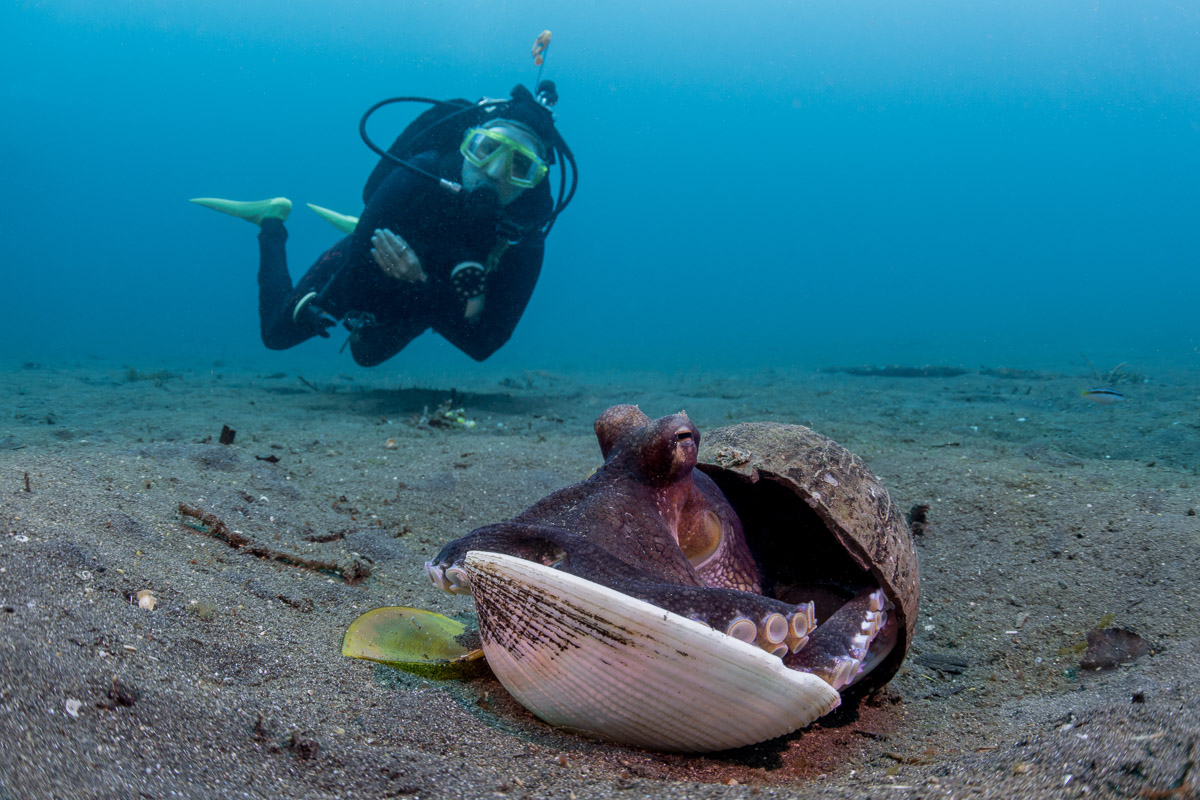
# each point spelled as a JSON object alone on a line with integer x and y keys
{"x": 587, "y": 658}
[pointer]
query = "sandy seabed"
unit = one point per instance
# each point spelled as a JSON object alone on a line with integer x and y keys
{"x": 1049, "y": 517}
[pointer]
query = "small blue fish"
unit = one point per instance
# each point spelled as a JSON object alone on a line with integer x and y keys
{"x": 1103, "y": 396}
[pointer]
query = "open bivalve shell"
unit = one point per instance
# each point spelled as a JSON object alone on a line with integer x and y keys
{"x": 597, "y": 662}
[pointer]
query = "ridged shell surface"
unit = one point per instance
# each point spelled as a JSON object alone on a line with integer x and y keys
{"x": 592, "y": 660}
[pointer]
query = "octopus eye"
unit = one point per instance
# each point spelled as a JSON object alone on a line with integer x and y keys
{"x": 683, "y": 435}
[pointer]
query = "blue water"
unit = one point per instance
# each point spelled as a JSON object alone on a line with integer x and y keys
{"x": 761, "y": 184}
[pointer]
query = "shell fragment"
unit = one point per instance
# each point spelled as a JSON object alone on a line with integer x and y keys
{"x": 587, "y": 658}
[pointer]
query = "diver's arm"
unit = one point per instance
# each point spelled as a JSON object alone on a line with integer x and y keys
{"x": 474, "y": 308}
{"x": 395, "y": 258}
{"x": 400, "y": 195}
{"x": 508, "y": 292}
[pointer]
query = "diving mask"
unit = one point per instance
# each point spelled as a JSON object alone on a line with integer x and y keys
{"x": 481, "y": 146}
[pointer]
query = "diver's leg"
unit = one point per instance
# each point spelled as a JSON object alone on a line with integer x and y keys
{"x": 281, "y": 326}
{"x": 372, "y": 346}
{"x": 287, "y": 315}
{"x": 400, "y": 314}
{"x": 276, "y": 299}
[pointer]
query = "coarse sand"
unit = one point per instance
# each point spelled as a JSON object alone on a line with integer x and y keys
{"x": 1049, "y": 517}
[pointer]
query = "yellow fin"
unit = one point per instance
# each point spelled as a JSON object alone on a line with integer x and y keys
{"x": 343, "y": 222}
{"x": 250, "y": 210}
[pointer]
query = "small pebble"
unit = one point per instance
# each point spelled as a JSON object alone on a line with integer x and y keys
{"x": 73, "y": 707}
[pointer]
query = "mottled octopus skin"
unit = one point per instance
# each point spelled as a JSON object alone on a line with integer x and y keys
{"x": 622, "y": 526}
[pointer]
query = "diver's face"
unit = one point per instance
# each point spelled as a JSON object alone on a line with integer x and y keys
{"x": 494, "y": 174}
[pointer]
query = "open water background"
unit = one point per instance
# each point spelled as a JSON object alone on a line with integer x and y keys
{"x": 762, "y": 184}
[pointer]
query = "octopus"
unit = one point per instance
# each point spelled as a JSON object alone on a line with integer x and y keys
{"x": 648, "y": 525}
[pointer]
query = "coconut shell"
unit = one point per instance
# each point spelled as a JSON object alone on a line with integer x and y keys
{"x": 813, "y": 511}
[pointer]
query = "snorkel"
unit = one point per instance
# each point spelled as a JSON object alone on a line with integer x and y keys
{"x": 457, "y": 116}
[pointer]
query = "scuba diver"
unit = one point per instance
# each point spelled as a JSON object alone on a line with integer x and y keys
{"x": 451, "y": 236}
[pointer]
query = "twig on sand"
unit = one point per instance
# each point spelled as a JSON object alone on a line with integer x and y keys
{"x": 1108, "y": 379}
{"x": 1112, "y": 376}
{"x": 210, "y": 525}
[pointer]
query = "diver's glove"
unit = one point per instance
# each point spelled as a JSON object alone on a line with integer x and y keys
{"x": 308, "y": 314}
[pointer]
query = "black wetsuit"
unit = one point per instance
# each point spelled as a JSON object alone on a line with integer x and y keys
{"x": 444, "y": 229}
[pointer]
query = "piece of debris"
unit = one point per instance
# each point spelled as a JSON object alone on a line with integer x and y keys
{"x": 918, "y": 519}
{"x": 262, "y": 727}
{"x": 119, "y": 694}
{"x": 447, "y": 415}
{"x": 730, "y": 457}
{"x": 1108, "y": 648}
{"x": 73, "y": 706}
{"x": 227, "y": 434}
{"x": 205, "y": 612}
{"x": 146, "y": 600}
{"x": 210, "y": 525}
{"x": 159, "y": 377}
{"x": 943, "y": 662}
{"x": 1117, "y": 374}
{"x": 304, "y": 744}
{"x": 1011, "y": 372}
{"x": 304, "y": 605}
{"x": 900, "y": 371}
